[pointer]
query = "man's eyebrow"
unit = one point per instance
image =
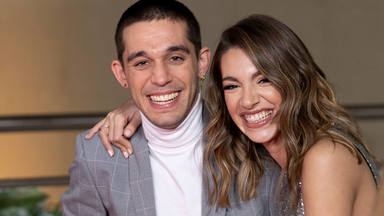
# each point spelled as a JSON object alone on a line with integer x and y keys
{"x": 178, "y": 48}
{"x": 135, "y": 55}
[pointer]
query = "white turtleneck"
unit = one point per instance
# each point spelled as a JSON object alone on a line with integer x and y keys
{"x": 176, "y": 161}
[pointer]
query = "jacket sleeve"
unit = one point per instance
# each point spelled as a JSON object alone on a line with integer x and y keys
{"x": 279, "y": 203}
{"x": 83, "y": 197}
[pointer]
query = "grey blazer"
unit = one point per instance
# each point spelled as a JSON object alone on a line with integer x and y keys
{"x": 103, "y": 185}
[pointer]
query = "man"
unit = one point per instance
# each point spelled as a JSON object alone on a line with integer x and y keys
{"x": 160, "y": 60}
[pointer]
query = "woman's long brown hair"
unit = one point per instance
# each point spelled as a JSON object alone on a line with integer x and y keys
{"x": 308, "y": 112}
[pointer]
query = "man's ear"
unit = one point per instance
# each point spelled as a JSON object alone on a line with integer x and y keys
{"x": 204, "y": 59}
{"x": 118, "y": 71}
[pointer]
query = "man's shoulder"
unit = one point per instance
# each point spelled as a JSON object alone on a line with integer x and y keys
{"x": 93, "y": 148}
{"x": 90, "y": 149}
{"x": 89, "y": 145}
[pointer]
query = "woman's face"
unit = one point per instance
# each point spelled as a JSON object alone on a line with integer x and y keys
{"x": 252, "y": 101}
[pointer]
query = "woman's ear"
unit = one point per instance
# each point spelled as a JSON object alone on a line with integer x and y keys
{"x": 118, "y": 71}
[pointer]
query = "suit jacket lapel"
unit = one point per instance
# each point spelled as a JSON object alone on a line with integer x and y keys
{"x": 140, "y": 176}
{"x": 206, "y": 208}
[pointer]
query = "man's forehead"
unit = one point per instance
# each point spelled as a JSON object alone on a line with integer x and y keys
{"x": 155, "y": 36}
{"x": 141, "y": 53}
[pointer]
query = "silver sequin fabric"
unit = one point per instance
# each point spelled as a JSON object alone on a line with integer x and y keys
{"x": 300, "y": 207}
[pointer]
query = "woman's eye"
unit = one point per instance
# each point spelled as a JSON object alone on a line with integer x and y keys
{"x": 264, "y": 80}
{"x": 229, "y": 87}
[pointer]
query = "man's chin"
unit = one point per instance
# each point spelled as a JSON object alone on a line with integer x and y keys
{"x": 166, "y": 121}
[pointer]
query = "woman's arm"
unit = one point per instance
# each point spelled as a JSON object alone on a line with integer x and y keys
{"x": 379, "y": 208}
{"x": 330, "y": 178}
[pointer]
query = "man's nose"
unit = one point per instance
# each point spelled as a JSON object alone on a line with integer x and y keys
{"x": 161, "y": 74}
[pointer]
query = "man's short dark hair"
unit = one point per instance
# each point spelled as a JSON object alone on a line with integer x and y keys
{"x": 148, "y": 10}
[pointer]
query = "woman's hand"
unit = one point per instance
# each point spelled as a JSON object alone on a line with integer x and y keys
{"x": 116, "y": 127}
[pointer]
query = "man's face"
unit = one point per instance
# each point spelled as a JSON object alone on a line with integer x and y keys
{"x": 161, "y": 70}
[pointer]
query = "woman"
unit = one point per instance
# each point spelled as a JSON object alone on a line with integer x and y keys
{"x": 278, "y": 99}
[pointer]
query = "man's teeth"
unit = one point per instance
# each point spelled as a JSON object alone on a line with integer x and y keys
{"x": 163, "y": 99}
{"x": 258, "y": 116}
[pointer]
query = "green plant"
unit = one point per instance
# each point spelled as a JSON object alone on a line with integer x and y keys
{"x": 27, "y": 201}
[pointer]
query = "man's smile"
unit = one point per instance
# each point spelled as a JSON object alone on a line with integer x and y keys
{"x": 164, "y": 99}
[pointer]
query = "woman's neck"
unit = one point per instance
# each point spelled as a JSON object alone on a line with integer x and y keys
{"x": 276, "y": 149}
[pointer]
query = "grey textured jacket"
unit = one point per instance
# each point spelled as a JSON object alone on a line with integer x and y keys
{"x": 103, "y": 185}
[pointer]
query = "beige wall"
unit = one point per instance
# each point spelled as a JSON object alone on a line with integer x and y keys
{"x": 55, "y": 57}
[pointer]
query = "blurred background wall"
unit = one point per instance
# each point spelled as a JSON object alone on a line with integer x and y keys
{"x": 55, "y": 59}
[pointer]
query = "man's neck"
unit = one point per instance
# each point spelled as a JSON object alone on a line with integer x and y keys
{"x": 190, "y": 129}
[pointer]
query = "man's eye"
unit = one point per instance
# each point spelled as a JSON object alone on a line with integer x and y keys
{"x": 176, "y": 58}
{"x": 140, "y": 63}
{"x": 229, "y": 87}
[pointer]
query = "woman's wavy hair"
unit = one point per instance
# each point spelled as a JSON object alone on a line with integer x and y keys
{"x": 308, "y": 112}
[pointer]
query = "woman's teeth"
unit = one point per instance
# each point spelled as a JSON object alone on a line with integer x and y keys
{"x": 258, "y": 116}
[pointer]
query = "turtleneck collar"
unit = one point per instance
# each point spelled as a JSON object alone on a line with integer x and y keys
{"x": 174, "y": 140}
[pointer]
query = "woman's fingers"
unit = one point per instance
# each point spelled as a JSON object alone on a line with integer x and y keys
{"x": 95, "y": 129}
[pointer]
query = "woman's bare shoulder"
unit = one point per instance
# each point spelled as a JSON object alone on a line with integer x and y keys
{"x": 330, "y": 176}
{"x": 329, "y": 162}
{"x": 328, "y": 153}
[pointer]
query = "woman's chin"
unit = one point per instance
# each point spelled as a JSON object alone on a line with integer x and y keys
{"x": 263, "y": 137}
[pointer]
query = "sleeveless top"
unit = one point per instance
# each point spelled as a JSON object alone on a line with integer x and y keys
{"x": 371, "y": 164}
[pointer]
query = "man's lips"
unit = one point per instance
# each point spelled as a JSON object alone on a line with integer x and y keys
{"x": 163, "y": 99}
